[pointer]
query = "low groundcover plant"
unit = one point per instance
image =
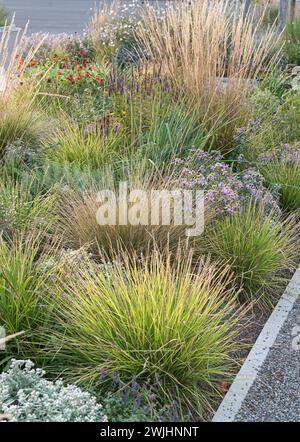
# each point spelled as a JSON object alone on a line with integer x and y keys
{"x": 26, "y": 396}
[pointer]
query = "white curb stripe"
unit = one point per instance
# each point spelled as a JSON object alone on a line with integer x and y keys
{"x": 239, "y": 389}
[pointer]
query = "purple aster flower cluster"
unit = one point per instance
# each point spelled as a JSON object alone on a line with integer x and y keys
{"x": 224, "y": 189}
{"x": 140, "y": 397}
{"x": 242, "y": 133}
{"x": 286, "y": 153}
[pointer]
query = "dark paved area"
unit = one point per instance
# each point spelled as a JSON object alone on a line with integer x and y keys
{"x": 53, "y": 16}
{"x": 275, "y": 394}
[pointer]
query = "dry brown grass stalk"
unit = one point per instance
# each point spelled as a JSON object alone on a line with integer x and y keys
{"x": 11, "y": 44}
{"x": 78, "y": 225}
{"x": 211, "y": 50}
{"x": 10, "y": 337}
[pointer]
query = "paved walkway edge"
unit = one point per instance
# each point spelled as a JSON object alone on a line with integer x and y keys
{"x": 239, "y": 389}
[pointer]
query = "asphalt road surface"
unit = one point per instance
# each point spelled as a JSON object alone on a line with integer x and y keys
{"x": 52, "y": 15}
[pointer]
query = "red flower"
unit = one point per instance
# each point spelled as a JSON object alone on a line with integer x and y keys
{"x": 32, "y": 62}
{"x": 18, "y": 55}
{"x": 87, "y": 75}
{"x": 59, "y": 73}
{"x": 77, "y": 77}
{"x": 98, "y": 79}
{"x": 63, "y": 66}
{"x": 69, "y": 77}
{"x": 80, "y": 67}
{"x": 83, "y": 53}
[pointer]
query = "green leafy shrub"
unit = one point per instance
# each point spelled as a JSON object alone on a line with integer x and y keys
{"x": 3, "y": 15}
{"x": 264, "y": 103}
{"x": 259, "y": 248}
{"x": 26, "y": 396}
{"x": 86, "y": 109}
{"x": 126, "y": 405}
{"x": 134, "y": 402}
{"x": 73, "y": 75}
{"x": 147, "y": 320}
{"x": 268, "y": 130}
{"x": 284, "y": 124}
{"x": 122, "y": 407}
{"x": 276, "y": 83}
{"x": 68, "y": 78}
{"x": 292, "y": 41}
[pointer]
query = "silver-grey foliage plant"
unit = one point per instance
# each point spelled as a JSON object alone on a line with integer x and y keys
{"x": 26, "y": 396}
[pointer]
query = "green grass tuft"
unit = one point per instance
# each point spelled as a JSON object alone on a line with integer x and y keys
{"x": 259, "y": 248}
{"x": 147, "y": 320}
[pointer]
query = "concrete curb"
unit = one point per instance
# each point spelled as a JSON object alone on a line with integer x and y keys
{"x": 240, "y": 387}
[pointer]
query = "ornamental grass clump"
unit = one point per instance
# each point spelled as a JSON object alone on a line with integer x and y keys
{"x": 26, "y": 266}
{"x": 23, "y": 207}
{"x": 26, "y": 396}
{"x": 18, "y": 117}
{"x": 260, "y": 248}
{"x": 78, "y": 225}
{"x": 85, "y": 148}
{"x": 21, "y": 121}
{"x": 159, "y": 121}
{"x": 148, "y": 319}
{"x": 11, "y": 69}
{"x": 210, "y": 50}
{"x": 282, "y": 168}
